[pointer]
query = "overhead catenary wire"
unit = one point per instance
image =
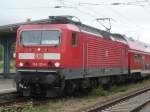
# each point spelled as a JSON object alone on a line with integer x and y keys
{"x": 96, "y": 16}
{"x": 124, "y": 17}
{"x": 90, "y": 12}
{"x": 135, "y": 3}
{"x": 100, "y": 15}
{"x": 137, "y": 27}
{"x": 116, "y": 12}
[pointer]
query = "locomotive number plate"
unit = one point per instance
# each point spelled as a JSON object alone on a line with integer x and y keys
{"x": 39, "y": 56}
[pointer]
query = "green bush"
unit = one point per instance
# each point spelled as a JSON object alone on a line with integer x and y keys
{"x": 99, "y": 91}
{"x": 12, "y": 50}
{"x": 0, "y": 52}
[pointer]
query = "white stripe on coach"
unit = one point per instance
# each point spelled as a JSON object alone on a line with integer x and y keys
{"x": 55, "y": 56}
{"x": 26, "y": 55}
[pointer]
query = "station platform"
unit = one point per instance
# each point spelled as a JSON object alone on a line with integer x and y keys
{"x": 7, "y": 85}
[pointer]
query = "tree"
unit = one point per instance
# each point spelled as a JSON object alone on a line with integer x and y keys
{"x": 0, "y": 52}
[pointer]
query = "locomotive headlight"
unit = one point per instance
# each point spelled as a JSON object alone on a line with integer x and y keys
{"x": 21, "y": 64}
{"x": 39, "y": 49}
{"x": 57, "y": 64}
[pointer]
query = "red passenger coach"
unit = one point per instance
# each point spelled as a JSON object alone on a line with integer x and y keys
{"x": 64, "y": 55}
{"x": 139, "y": 57}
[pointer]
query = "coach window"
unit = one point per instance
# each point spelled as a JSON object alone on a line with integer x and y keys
{"x": 74, "y": 39}
{"x": 137, "y": 57}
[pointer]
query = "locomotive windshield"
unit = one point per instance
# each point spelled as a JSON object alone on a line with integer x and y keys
{"x": 40, "y": 37}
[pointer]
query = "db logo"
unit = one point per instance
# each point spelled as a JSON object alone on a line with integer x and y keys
{"x": 38, "y": 56}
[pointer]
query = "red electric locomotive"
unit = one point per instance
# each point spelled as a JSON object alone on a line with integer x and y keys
{"x": 65, "y": 55}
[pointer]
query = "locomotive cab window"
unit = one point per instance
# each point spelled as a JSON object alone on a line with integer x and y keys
{"x": 74, "y": 39}
{"x": 40, "y": 37}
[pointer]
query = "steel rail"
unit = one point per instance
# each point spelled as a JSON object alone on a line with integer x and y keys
{"x": 140, "y": 107}
{"x": 9, "y": 98}
{"x": 107, "y": 104}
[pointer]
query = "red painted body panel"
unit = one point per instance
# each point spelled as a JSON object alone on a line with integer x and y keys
{"x": 146, "y": 62}
{"x": 105, "y": 53}
{"x": 142, "y": 64}
{"x": 138, "y": 48}
{"x": 82, "y": 52}
{"x": 134, "y": 65}
{"x": 90, "y": 51}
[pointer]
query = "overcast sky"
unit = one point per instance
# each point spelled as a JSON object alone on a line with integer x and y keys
{"x": 130, "y": 17}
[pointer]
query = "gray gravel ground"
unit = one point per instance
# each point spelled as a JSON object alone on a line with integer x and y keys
{"x": 146, "y": 108}
{"x": 6, "y": 84}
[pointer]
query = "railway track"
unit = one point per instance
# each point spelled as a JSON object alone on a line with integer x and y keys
{"x": 132, "y": 102}
{"x": 10, "y": 98}
{"x": 12, "y": 102}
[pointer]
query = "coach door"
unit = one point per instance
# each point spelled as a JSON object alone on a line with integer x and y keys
{"x": 143, "y": 63}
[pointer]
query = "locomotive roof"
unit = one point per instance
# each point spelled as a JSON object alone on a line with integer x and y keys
{"x": 88, "y": 29}
{"x": 133, "y": 44}
{"x": 82, "y": 27}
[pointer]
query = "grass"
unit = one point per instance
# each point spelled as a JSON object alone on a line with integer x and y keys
{"x": 12, "y": 69}
{"x": 1, "y": 64}
{"x": 12, "y": 64}
{"x": 0, "y": 52}
{"x": 99, "y": 91}
{"x": 71, "y": 103}
{"x": 67, "y": 104}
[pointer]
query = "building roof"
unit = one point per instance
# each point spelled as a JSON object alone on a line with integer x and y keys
{"x": 11, "y": 28}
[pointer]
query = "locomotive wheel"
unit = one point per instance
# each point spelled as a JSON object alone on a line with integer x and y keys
{"x": 86, "y": 85}
{"x": 56, "y": 91}
{"x": 94, "y": 83}
{"x": 70, "y": 87}
{"x": 19, "y": 89}
{"x": 120, "y": 79}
